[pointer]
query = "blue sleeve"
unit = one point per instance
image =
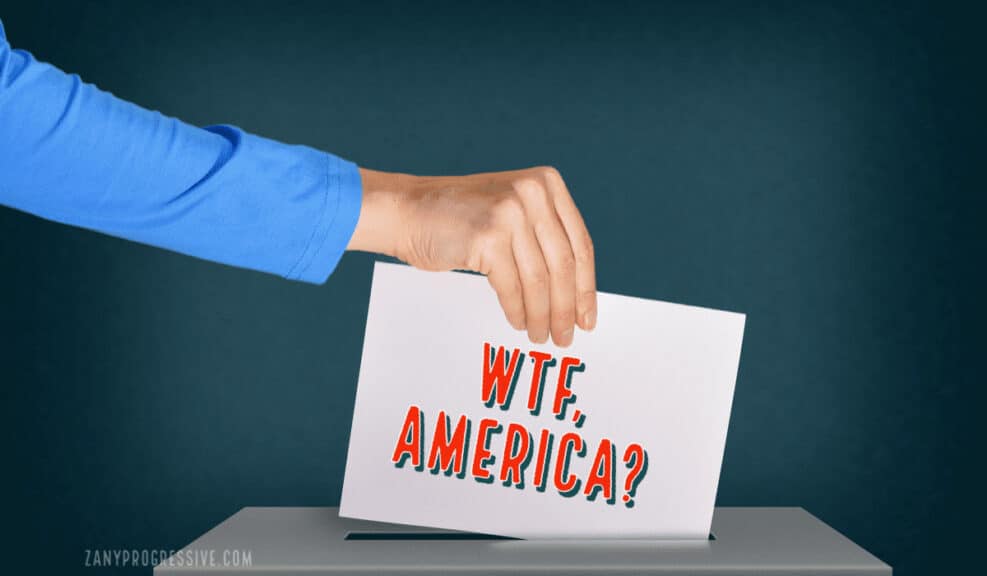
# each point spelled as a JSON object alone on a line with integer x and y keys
{"x": 72, "y": 153}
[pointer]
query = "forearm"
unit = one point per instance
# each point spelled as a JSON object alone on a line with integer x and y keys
{"x": 72, "y": 153}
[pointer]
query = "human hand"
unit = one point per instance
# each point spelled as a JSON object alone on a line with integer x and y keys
{"x": 520, "y": 228}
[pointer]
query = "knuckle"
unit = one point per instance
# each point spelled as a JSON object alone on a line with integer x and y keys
{"x": 509, "y": 208}
{"x": 586, "y": 299}
{"x": 564, "y": 318}
{"x": 486, "y": 249}
{"x": 529, "y": 185}
{"x": 501, "y": 243}
{"x": 539, "y": 281}
{"x": 585, "y": 253}
{"x": 511, "y": 292}
{"x": 486, "y": 240}
{"x": 565, "y": 266}
{"x": 549, "y": 172}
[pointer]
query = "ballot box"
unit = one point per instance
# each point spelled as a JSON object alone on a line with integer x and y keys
{"x": 314, "y": 541}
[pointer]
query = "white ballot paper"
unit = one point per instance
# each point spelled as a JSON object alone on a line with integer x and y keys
{"x": 462, "y": 423}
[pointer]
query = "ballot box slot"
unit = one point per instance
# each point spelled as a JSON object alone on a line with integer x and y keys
{"x": 434, "y": 536}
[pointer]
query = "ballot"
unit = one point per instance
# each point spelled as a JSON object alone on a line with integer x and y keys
{"x": 462, "y": 423}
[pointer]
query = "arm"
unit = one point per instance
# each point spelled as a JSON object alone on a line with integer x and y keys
{"x": 72, "y": 153}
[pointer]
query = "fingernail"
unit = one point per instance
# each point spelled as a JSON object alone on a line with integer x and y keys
{"x": 566, "y": 338}
{"x": 589, "y": 320}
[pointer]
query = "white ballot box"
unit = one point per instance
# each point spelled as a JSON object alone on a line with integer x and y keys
{"x": 317, "y": 541}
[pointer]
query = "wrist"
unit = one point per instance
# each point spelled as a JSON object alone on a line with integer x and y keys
{"x": 382, "y": 221}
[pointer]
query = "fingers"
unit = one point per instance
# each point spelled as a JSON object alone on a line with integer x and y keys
{"x": 559, "y": 260}
{"x": 503, "y": 277}
{"x": 534, "y": 282}
{"x": 582, "y": 250}
{"x": 537, "y": 254}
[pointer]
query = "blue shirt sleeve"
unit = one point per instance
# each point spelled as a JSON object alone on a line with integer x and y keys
{"x": 72, "y": 153}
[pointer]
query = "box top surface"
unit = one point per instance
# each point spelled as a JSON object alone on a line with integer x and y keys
{"x": 314, "y": 540}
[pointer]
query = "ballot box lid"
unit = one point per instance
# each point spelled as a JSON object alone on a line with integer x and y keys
{"x": 314, "y": 541}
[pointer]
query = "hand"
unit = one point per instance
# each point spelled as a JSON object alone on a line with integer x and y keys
{"x": 520, "y": 228}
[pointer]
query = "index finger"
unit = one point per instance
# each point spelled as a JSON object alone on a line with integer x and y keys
{"x": 582, "y": 250}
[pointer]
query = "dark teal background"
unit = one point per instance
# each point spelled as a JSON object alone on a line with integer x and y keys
{"x": 814, "y": 165}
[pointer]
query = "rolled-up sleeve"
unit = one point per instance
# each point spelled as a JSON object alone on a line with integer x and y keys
{"x": 72, "y": 153}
